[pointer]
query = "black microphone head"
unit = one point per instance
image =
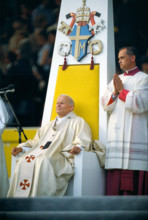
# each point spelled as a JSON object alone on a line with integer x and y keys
{"x": 11, "y": 86}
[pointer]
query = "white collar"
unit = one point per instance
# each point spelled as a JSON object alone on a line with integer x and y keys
{"x": 63, "y": 118}
{"x": 130, "y": 69}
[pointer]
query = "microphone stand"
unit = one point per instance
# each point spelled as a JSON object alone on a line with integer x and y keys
{"x": 19, "y": 127}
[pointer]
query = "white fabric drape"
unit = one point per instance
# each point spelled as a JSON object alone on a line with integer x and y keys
{"x": 4, "y": 181}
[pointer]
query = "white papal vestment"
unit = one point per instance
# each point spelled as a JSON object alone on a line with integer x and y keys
{"x": 46, "y": 172}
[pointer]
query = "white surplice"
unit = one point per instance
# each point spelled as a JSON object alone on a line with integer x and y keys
{"x": 46, "y": 172}
{"x": 4, "y": 181}
{"x": 127, "y": 144}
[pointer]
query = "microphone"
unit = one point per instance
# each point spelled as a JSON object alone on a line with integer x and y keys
{"x": 9, "y": 88}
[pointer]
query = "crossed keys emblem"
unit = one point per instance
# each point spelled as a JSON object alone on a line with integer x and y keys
{"x": 29, "y": 158}
{"x": 24, "y": 184}
{"x": 79, "y": 31}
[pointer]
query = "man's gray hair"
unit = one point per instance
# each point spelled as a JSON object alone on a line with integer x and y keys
{"x": 71, "y": 101}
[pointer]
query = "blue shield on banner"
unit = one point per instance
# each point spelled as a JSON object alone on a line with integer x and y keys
{"x": 79, "y": 37}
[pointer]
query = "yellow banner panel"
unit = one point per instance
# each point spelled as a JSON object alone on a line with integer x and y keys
{"x": 82, "y": 84}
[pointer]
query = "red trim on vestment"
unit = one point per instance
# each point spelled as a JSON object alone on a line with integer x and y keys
{"x": 123, "y": 94}
{"x": 132, "y": 72}
{"x": 110, "y": 101}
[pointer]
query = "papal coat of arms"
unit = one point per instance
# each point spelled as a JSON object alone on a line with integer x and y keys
{"x": 80, "y": 32}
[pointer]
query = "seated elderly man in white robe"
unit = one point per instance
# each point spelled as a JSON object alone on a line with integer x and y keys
{"x": 47, "y": 167}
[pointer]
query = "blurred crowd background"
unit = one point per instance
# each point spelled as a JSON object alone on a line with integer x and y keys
{"x": 27, "y": 35}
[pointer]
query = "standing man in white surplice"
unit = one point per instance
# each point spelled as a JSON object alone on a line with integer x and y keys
{"x": 126, "y": 100}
